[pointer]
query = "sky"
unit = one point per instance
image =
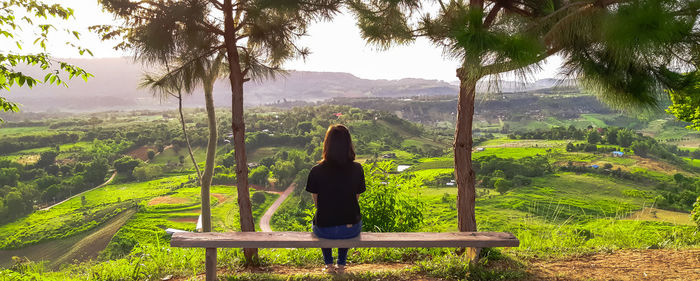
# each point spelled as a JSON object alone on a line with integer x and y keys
{"x": 336, "y": 46}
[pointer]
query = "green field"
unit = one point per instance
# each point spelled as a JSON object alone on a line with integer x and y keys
{"x": 73, "y": 216}
{"x": 21, "y": 130}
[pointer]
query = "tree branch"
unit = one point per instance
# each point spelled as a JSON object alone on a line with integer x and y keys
{"x": 492, "y": 15}
{"x": 509, "y": 66}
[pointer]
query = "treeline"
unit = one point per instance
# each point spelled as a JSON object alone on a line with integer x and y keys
{"x": 504, "y": 174}
{"x": 641, "y": 145}
{"x": 10, "y": 144}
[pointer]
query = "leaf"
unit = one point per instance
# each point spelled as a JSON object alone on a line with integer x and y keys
{"x": 47, "y": 77}
{"x": 18, "y": 45}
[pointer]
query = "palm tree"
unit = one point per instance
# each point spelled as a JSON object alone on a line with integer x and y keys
{"x": 258, "y": 36}
{"x": 620, "y": 49}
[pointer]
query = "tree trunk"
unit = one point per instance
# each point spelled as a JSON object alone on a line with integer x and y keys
{"x": 187, "y": 139}
{"x": 464, "y": 174}
{"x": 238, "y": 127}
{"x": 211, "y": 154}
{"x": 210, "y": 253}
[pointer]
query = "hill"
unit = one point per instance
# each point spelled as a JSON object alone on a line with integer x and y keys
{"x": 116, "y": 87}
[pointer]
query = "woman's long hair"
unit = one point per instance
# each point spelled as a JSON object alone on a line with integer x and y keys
{"x": 337, "y": 146}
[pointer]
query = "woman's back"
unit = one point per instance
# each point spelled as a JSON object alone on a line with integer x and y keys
{"x": 337, "y": 186}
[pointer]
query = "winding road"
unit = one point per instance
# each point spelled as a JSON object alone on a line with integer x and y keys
{"x": 265, "y": 220}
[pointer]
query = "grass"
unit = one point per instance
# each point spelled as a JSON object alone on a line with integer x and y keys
{"x": 264, "y": 152}
{"x": 21, "y": 130}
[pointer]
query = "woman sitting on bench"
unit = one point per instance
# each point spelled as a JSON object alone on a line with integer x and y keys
{"x": 335, "y": 184}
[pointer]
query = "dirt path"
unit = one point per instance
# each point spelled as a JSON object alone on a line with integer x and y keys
{"x": 661, "y": 264}
{"x": 69, "y": 198}
{"x": 265, "y": 219}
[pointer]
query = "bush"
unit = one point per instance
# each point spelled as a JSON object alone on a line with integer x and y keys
{"x": 502, "y": 185}
{"x": 258, "y": 198}
{"x": 126, "y": 165}
{"x": 259, "y": 175}
{"x": 391, "y": 203}
{"x": 146, "y": 172}
{"x": 224, "y": 179}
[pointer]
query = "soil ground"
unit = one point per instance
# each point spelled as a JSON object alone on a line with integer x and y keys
{"x": 659, "y": 264}
{"x": 167, "y": 200}
{"x": 141, "y": 152}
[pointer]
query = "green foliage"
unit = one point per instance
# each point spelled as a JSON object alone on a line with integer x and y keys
{"x": 223, "y": 179}
{"x": 11, "y": 23}
{"x": 126, "y": 165}
{"x": 148, "y": 171}
{"x": 96, "y": 171}
{"x": 696, "y": 212}
{"x": 259, "y": 175}
{"x": 391, "y": 203}
{"x": 258, "y": 197}
{"x": 686, "y": 100}
{"x": 502, "y": 185}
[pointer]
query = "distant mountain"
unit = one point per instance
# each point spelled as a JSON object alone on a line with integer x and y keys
{"x": 115, "y": 87}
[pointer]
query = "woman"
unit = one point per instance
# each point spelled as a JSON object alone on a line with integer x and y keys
{"x": 335, "y": 185}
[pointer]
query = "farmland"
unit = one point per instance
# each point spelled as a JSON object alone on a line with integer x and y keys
{"x": 560, "y": 195}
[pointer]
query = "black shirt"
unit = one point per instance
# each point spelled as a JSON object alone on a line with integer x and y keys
{"x": 337, "y": 187}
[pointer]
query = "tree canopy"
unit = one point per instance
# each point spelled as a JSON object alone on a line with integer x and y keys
{"x": 625, "y": 51}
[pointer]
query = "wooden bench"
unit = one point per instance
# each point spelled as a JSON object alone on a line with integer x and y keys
{"x": 213, "y": 240}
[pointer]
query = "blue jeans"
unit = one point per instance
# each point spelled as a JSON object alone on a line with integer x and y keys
{"x": 337, "y": 232}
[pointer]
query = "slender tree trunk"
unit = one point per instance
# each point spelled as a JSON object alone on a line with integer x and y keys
{"x": 210, "y": 253}
{"x": 238, "y": 127}
{"x": 464, "y": 174}
{"x": 211, "y": 154}
{"x": 187, "y": 139}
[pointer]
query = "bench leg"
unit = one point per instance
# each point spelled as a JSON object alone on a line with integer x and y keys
{"x": 210, "y": 264}
{"x": 473, "y": 254}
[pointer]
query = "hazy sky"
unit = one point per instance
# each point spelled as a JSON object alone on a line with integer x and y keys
{"x": 335, "y": 46}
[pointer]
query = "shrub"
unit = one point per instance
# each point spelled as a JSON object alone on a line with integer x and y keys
{"x": 259, "y": 175}
{"x": 145, "y": 172}
{"x": 126, "y": 165}
{"x": 502, "y": 185}
{"x": 224, "y": 179}
{"x": 258, "y": 198}
{"x": 391, "y": 203}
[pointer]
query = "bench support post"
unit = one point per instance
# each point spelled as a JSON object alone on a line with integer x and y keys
{"x": 210, "y": 264}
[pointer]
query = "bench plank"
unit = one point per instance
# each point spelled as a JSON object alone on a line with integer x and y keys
{"x": 364, "y": 240}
